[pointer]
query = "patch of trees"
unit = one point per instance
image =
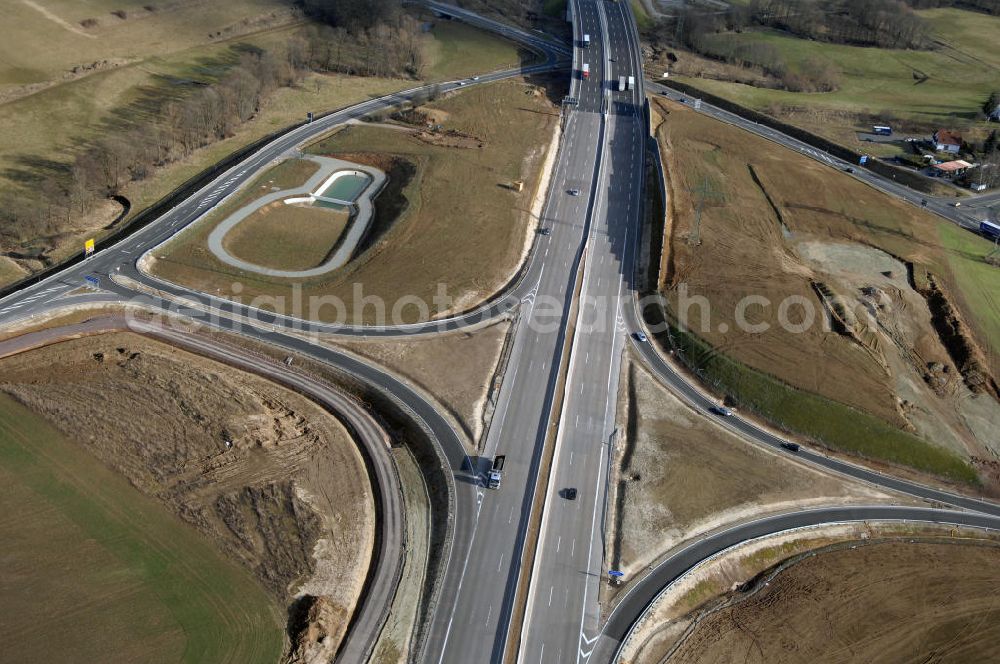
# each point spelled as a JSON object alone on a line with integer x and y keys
{"x": 386, "y": 49}
{"x": 353, "y": 15}
{"x": 992, "y": 103}
{"x": 986, "y": 6}
{"x": 882, "y": 23}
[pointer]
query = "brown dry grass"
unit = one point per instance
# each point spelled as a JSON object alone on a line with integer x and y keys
{"x": 833, "y": 231}
{"x": 458, "y": 226}
{"x": 289, "y": 500}
{"x": 887, "y": 602}
{"x": 287, "y": 237}
{"x": 456, "y": 368}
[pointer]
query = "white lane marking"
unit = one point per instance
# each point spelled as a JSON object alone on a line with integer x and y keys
{"x": 499, "y": 564}
{"x": 558, "y": 543}
{"x": 550, "y": 594}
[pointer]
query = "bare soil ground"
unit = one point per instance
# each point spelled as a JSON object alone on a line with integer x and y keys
{"x": 451, "y": 220}
{"x": 456, "y": 368}
{"x": 287, "y": 237}
{"x": 272, "y": 480}
{"x": 901, "y": 345}
{"x": 882, "y": 602}
{"x": 677, "y": 474}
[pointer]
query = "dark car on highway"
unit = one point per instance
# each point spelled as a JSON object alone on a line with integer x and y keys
{"x": 791, "y": 447}
{"x": 721, "y": 410}
{"x": 569, "y": 493}
{"x": 544, "y": 231}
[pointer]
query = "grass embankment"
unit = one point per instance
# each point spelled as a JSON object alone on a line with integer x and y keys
{"x": 642, "y": 18}
{"x": 678, "y": 474}
{"x": 453, "y": 219}
{"x": 554, "y": 7}
{"x": 945, "y": 86}
{"x": 95, "y": 571}
{"x": 159, "y": 56}
{"x": 832, "y": 423}
{"x": 978, "y": 282}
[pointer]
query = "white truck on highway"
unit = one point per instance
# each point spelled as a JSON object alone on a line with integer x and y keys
{"x": 496, "y": 472}
{"x": 586, "y": 41}
{"x": 621, "y": 84}
{"x": 631, "y": 82}
{"x": 586, "y": 70}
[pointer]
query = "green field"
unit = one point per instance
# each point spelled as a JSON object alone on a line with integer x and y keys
{"x": 457, "y": 50}
{"x": 960, "y": 74}
{"x": 978, "y": 282}
{"x": 96, "y": 572}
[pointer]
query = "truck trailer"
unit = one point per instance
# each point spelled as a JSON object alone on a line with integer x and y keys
{"x": 631, "y": 82}
{"x": 496, "y": 472}
{"x": 586, "y": 41}
{"x": 621, "y": 84}
{"x": 989, "y": 230}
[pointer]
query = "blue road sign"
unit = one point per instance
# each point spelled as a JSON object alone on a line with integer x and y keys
{"x": 92, "y": 281}
{"x": 863, "y": 160}
{"x": 615, "y": 574}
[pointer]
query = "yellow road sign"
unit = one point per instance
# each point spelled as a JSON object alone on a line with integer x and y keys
{"x": 88, "y": 247}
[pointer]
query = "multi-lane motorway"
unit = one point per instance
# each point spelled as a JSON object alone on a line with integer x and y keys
{"x": 591, "y": 247}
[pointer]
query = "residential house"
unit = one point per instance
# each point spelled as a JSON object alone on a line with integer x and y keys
{"x": 946, "y": 140}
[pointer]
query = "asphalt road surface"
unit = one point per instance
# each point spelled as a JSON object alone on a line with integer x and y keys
{"x": 474, "y": 626}
{"x": 563, "y": 616}
{"x": 632, "y": 606}
{"x": 601, "y": 154}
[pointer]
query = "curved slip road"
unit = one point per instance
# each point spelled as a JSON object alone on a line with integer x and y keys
{"x": 631, "y": 608}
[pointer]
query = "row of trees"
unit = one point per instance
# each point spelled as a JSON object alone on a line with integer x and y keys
{"x": 385, "y": 49}
{"x": 380, "y": 41}
{"x": 883, "y": 23}
{"x": 986, "y": 6}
